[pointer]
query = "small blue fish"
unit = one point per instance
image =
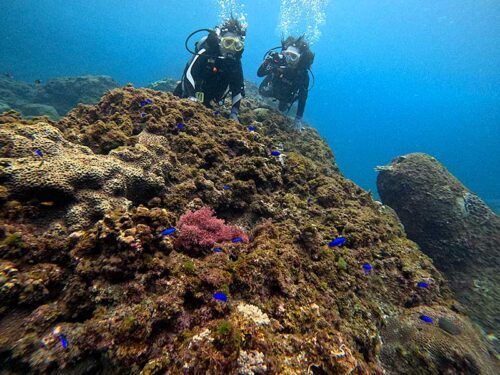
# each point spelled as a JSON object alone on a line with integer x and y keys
{"x": 226, "y": 187}
{"x": 275, "y": 153}
{"x": 143, "y": 115}
{"x": 142, "y": 103}
{"x": 309, "y": 200}
{"x": 218, "y": 250}
{"x": 39, "y": 153}
{"x": 339, "y": 241}
{"x": 220, "y": 296}
{"x": 149, "y": 101}
{"x": 216, "y": 113}
{"x": 367, "y": 267}
{"x": 63, "y": 341}
{"x": 426, "y": 319}
{"x": 168, "y": 232}
{"x": 422, "y": 285}
{"x": 237, "y": 239}
{"x": 180, "y": 126}
{"x": 251, "y": 128}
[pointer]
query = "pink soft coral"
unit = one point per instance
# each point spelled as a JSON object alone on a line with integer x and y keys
{"x": 200, "y": 230}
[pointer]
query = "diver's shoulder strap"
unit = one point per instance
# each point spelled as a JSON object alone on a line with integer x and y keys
{"x": 201, "y": 44}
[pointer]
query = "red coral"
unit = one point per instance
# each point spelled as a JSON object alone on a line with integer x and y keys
{"x": 200, "y": 230}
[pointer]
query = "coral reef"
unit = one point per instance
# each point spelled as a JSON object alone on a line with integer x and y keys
{"x": 453, "y": 226}
{"x": 108, "y": 289}
{"x": 54, "y": 98}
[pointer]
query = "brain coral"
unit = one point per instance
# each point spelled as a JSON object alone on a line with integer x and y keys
{"x": 67, "y": 178}
{"x": 448, "y": 345}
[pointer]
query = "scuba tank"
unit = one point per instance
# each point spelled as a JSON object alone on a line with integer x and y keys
{"x": 203, "y": 40}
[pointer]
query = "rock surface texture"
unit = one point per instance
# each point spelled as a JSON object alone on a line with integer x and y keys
{"x": 106, "y": 264}
{"x": 453, "y": 226}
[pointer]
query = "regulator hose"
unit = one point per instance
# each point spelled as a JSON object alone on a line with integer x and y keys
{"x": 190, "y": 36}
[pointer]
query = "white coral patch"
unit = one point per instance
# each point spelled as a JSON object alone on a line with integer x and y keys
{"x": 251, "y": 363}
{"x": 254, "y": 314}
{"x": 202, "y": 336}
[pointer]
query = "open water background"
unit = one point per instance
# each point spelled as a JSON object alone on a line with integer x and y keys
{"x": 392, "y": 76}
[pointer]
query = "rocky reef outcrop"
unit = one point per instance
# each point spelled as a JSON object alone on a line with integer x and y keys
{"x": 106, "y": 265}
{"x": 453, "y": 226}
{"x": 166, "y": 84}
{"x": 55, "y": 97}
{"x": 65, "y": 93}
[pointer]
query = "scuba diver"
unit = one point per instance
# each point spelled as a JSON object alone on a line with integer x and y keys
{"x": 215, "y": 68}
{"x": 287, "y": 74}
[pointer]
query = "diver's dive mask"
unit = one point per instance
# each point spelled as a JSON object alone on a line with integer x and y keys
{"x": 230, "y": 44}
{"x": 292, "y": 55}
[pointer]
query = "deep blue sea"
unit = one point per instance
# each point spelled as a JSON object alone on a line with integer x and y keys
{"x": 392, "y": 76}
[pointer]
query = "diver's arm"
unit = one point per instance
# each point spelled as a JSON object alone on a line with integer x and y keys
{"x": 192, "y": 73}
{"x": 303, "y": 92}
{"x": 237, "y": 88}
{"x": 265, "y": 67}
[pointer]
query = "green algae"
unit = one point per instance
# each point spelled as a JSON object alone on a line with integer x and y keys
{"x": 227, "y": 337}
{"x": 341, "y": 264}
{"x": 224, "y": 328}
{"x": 13, "y": 240}
{"x": 129, "y": 322}
{"x": 189, "y": 267}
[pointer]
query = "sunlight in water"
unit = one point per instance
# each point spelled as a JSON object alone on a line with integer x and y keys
{"x": 299, "y": 17}
{"x": 232, "y": 8}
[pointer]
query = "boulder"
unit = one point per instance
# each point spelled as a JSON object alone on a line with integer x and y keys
{"x": 166, "y": 84}
{"x": 34, "y": 109}
{"x": 65, "y": 93}
{"x": 453, "y": 226}
{"x": 4, "y": 107}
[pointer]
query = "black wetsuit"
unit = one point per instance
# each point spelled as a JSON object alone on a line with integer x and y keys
{"x": 212, "y": 74}
{"x": 285, "y": 84}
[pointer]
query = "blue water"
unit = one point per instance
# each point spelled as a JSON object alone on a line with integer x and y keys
{"x": 392, "y": 76}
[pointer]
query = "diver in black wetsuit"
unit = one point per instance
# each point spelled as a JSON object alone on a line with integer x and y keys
{"x": 215, "y": 68}
{"x": 287, "y": 76}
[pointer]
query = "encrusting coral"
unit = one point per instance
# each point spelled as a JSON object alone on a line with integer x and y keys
{"x": 93, "y": 279}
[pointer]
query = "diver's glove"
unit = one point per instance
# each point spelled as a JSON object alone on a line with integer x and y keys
{"x": 299, "y": 124}
{"x": 234, "y": 115}
{"x": 268, "y": 63}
